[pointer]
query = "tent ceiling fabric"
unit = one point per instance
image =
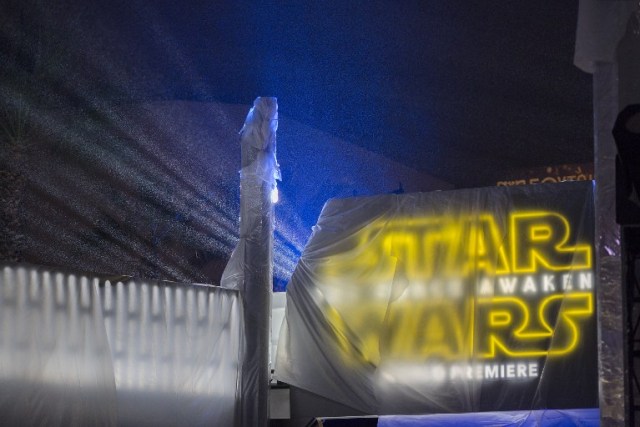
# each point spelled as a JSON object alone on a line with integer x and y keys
{"x": 459, "y": 90}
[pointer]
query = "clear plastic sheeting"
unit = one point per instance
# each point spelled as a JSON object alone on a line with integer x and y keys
{"x": 576, "y": 417}
{"x": 611, "y": 324}
{"x": 55, "y": 363}
{"x": 447, "y": 302}
{"x": 277, "y": 317}
{"x": 601, "y": 25}
{"x": 250, "y": 269}
{"x": 82, "y": 350}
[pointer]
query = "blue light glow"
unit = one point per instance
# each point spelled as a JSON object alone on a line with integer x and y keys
{"x": 132, "y": 160}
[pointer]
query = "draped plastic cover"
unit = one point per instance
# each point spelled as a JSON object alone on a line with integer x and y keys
{"x": 250, "y": 269}
{"x": 570, "y": 417}
{"x": 460, "y": 301}
{"x": 601, "y": 25}
{"x": 81, "y": 350}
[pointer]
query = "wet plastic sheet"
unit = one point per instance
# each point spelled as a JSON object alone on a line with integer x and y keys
{"x": 601, "y": 25}
{"x": 83, "y": 350}
{"x": 250, "y": 269}
{"x": 576, "y": 417}
{"x": 461, "y": 301}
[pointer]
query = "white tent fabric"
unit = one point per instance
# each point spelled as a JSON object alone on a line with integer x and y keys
{"x": 78, "y": 350}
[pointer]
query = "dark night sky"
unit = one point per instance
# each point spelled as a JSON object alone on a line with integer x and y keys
{"x": 460, "y": 90}
{"x": 127, "y": 112}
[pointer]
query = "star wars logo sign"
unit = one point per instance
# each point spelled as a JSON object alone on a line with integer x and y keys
{"x": 475, "y": 297}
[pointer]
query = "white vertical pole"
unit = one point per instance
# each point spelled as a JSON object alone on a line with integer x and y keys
{"x": 611, "y": 325}
{"x": 251, "y": 266}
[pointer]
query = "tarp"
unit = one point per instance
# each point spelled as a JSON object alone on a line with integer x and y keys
{"x": 250, "y": 269}
{"x": 77, "y": 350}
{"x": 460, "y": 301}
{"x": 601, "y": 25}
{"x": 557, "y": 418}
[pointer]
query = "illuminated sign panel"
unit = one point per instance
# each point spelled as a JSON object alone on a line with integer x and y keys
{"x": 469, "y": 290}
{"x": 457, "y": 293}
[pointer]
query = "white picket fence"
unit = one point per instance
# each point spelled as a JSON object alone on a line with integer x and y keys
{"x": 84, "y": 350}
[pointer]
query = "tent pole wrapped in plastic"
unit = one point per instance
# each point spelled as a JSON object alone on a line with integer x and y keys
{"x": 250, "y": 269}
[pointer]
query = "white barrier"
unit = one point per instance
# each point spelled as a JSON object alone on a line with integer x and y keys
{"x": 83, "y": 350}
